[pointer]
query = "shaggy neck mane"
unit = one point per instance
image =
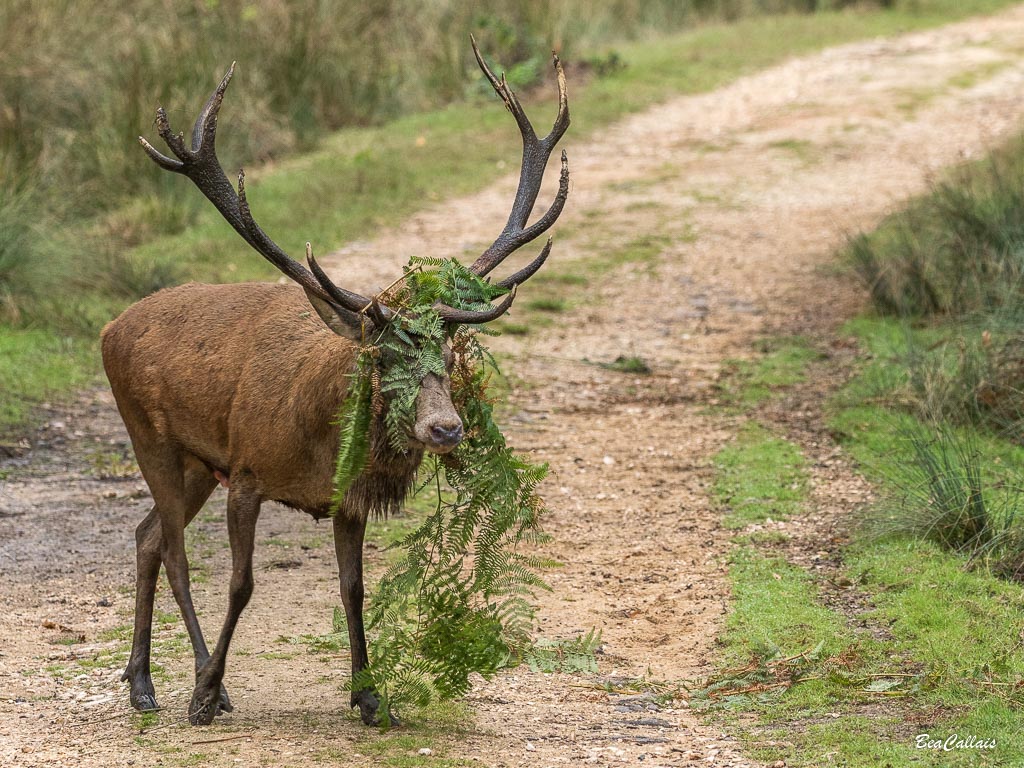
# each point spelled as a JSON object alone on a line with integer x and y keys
{"x": 389, "y": 475}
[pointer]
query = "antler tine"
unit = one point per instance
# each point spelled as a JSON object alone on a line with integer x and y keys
{"x": 174, "y": 142}
{"x": 351, "y": 317}
{"x": 259, "y": 240}
{"x": 342, "y": 297}
{"x": 524, "y": 274}
{"x": 204, "y": 130}
{"x": 507, "y": 95}
{"x": 200, "y": 164}
{"x": 535, "y": 158}
{"x": 378, "y": 312}
{"x": 471, "y": 317}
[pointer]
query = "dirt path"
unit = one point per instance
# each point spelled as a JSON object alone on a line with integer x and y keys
{"x": 743, "y": 194}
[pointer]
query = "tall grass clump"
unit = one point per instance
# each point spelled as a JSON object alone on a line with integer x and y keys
{"x": 954, "y": 261}
{"x": 974, "y": 375}
{"x": 16, "y": 246}
{"x": 956, "y": 252}
{"x": 950, "y": 267}
{"x": 954, "y": 496}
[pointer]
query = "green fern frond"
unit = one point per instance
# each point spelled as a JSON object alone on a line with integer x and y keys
{"x": 354, "y": 443}
{"x": 457, "y": 599}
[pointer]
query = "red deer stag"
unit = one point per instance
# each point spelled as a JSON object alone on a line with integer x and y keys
{"x": 242, "y": 383}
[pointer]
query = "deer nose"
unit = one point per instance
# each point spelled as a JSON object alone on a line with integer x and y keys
{"x": 447, "y": 434}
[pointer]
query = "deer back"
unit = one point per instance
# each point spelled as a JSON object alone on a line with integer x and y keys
{"x": 245, "y": 377}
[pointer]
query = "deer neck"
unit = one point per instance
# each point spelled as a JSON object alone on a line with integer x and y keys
{"x": 390, "y": 474}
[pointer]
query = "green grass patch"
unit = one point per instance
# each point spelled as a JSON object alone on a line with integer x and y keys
{"x": 758, "y": 476}
{"x": 876, "y": 413}
{"x": 628, "y": 364}
{"x": 782, "y": 363}
{"x": 851, "y": 741}
{"x": 423, "y": 742}
{"x": 776, "y": 608}
{"x": 929, "y": 641}
{"x": 545, "y": 304}
{"x": 964, "y": 626}
{"x": 803, "y": 150}
{"x": 511, "y": 328}
{"x": 827, "y": 685}
{"x": 120, "y": 634}
{"x": 38, "y": 366}
{"x": 331, "y": 642}
{"x": 935, "y": 649}
{"x": 643, "y": 250}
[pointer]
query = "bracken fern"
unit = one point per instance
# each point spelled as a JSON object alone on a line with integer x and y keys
{"x": 457, "y": 600}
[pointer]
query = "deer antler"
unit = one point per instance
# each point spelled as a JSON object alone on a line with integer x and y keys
{"x": 536, "y": 153}
{"x": 200, "y": 164}
{"x": 535, "y": 159}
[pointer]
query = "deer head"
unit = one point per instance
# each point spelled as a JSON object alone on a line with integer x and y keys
{"x": 437, "y": 427}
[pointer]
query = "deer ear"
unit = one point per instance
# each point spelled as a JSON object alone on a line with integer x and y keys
{"x": 351, "y": 325}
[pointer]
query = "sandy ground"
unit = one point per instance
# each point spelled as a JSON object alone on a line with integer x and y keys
{"x": 748, "y": 190}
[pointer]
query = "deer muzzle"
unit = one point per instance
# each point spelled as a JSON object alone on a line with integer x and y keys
{"x": 438, "y": 426}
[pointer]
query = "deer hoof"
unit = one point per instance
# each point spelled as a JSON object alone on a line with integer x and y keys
{"x": 144, "y": 701}
{"x": 205, "y": 706}
{"x": 142, "y": 695}
{"x": 368, "y": 706}
{"x": 369, "y": 710}
{"x": 225, "y": 704}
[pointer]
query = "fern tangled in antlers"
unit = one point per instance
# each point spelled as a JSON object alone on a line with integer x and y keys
{"x": 457, "y": 601}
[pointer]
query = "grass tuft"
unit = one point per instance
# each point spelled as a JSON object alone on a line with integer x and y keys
{"x": 782, "y": 364}
{"x": 759, "y": 477}
{"x": 628, "y": 364}
{"x": 958, "y": 250}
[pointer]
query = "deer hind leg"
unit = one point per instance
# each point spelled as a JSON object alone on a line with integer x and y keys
{"x": 147, "y": 562}
{"x": 198, "y": 484}
{"x": 243, "y": 512}
{"x": 177, "y": 481}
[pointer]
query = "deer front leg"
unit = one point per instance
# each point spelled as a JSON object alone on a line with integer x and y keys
{"x": 348, "y": 546}
{"x": 243, "y": 512}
